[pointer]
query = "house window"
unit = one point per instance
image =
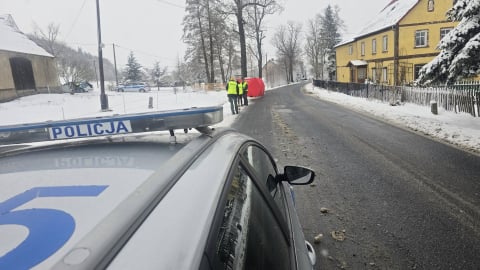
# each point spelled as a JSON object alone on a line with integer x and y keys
{"x": 430, "y": 5}
{"x": 385, "y": 43}
{"x": 444, "y": 32}
{"x": 374, "y": 46}
{"x": 350, "y": 50}
{"x": 416, "y": 70}
{"x": 374, "y": 74}
{"x": 384, "y": 75}
{"x": 421, "y": 38}
{"x": 362, "y": 49}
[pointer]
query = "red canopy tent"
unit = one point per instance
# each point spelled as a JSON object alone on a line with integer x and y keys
{"x": 256, "y": 87}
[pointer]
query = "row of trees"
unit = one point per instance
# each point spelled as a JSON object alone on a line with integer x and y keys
{"x": 215, "y": 30}
{"x": 134, "y": 71}
{"x": 219, "y": 35}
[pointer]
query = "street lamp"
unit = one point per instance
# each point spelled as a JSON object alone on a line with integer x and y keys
{"x": 103, "y": 97}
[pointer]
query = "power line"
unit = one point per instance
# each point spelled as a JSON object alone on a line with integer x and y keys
{"x": 171, "y": 4}
{"x": 76, "y": 19}
{"x": 129, "y": 49}
{"x": 83, "y": 44}
{"x": 141, "y": 52}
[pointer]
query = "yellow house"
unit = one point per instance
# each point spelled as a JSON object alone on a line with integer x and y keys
{"x": 395, "y": 45}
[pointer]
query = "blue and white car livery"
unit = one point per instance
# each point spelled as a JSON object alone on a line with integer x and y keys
{"x": 100, "y": 193}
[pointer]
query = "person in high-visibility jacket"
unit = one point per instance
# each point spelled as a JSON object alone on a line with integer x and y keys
{"x": 245, "y": 92}
{"x": 240, "y": 93}
{"x": 232, "y": 94}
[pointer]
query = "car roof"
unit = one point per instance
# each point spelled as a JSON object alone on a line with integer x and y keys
{"x": 140, "y": 179}
{"x": 182, "y": 219}
{"x": 135, "y": 175}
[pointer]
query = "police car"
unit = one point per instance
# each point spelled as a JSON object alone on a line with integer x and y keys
{"x": 132, "y": 192}
{"x": 133, "y": 87}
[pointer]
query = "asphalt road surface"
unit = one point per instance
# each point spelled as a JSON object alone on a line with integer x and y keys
{"x": 394, "y": 199}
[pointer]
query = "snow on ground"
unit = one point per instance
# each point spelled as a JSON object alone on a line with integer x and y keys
{"x": 460, "y": 129}
{"x": 52, "y": 107}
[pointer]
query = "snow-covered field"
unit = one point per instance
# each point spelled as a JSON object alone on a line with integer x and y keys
{"x": 461, "y": 129}
{"x": 52, "y": 107}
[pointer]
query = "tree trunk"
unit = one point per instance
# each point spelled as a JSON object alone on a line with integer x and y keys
{"x": 204, "y": 50}
{"x": 241, "y": 33}
{"x": 211, "y": 79}
{"x": 220, "y": 61}
{"x": 259, "y": 60}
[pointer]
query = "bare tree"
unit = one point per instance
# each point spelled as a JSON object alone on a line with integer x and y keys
{"x": 210, "y": 34}
{"x": 48, "y": 39}
{"x": 194, "y": 33}
{"x": 205, "y": 32}
{"x": 237, "y": 8}
{"x": 238, "y": 11}
{"x": 75, "y": 66}
{"x": 322, "y": 36}
{"x": 255, "y": 17}
{"x": 221, "y": 37}
{"x": 232, "y": 58}
{"x": 313, "y": 46}
{"x": 287, "y": 42}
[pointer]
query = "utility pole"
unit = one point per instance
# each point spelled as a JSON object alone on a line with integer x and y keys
{"x": 115, "y": 64}
{"x": 396, "y": 37}
{"x": 266, "y": 68}
{"x": 103, "y": 97}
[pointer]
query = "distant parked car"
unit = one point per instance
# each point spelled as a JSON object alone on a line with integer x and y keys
{"x": 133, "y": 87}
{"x": 86, "y": 86}
{"x": 77, "y": 87}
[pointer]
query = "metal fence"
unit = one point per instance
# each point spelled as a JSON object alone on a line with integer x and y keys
{"x": 462, "y": 97}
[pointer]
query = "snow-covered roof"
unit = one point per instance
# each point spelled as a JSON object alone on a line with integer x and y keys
{"x": 14, "y": 40}
{"x": 389, "y": 16}
{"x": 358, "y": 63}
{"x": 345, "y": 41}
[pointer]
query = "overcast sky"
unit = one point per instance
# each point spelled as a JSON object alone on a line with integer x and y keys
{"x": 152, "y": 28}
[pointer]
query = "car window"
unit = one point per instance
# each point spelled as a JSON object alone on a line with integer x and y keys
{"x": 249, "y": 236}
{"x": 266, "y": 171}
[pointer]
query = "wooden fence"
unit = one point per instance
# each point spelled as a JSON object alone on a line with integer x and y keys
{"x": 462, "y": 97}
{"x": 209, "y": 86}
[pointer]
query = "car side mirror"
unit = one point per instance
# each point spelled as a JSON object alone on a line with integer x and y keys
{"x": 298, "y": 175}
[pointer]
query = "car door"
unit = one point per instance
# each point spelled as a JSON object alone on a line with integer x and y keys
{"x": 248, "y": 231}
{"x": 128, "y": 87}
{"x": 266, "y": 171}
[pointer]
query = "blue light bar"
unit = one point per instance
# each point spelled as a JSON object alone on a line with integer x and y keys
{"x": 111, "y": 125}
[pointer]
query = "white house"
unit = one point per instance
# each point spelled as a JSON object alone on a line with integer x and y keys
{"x": 25, "y": 67}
